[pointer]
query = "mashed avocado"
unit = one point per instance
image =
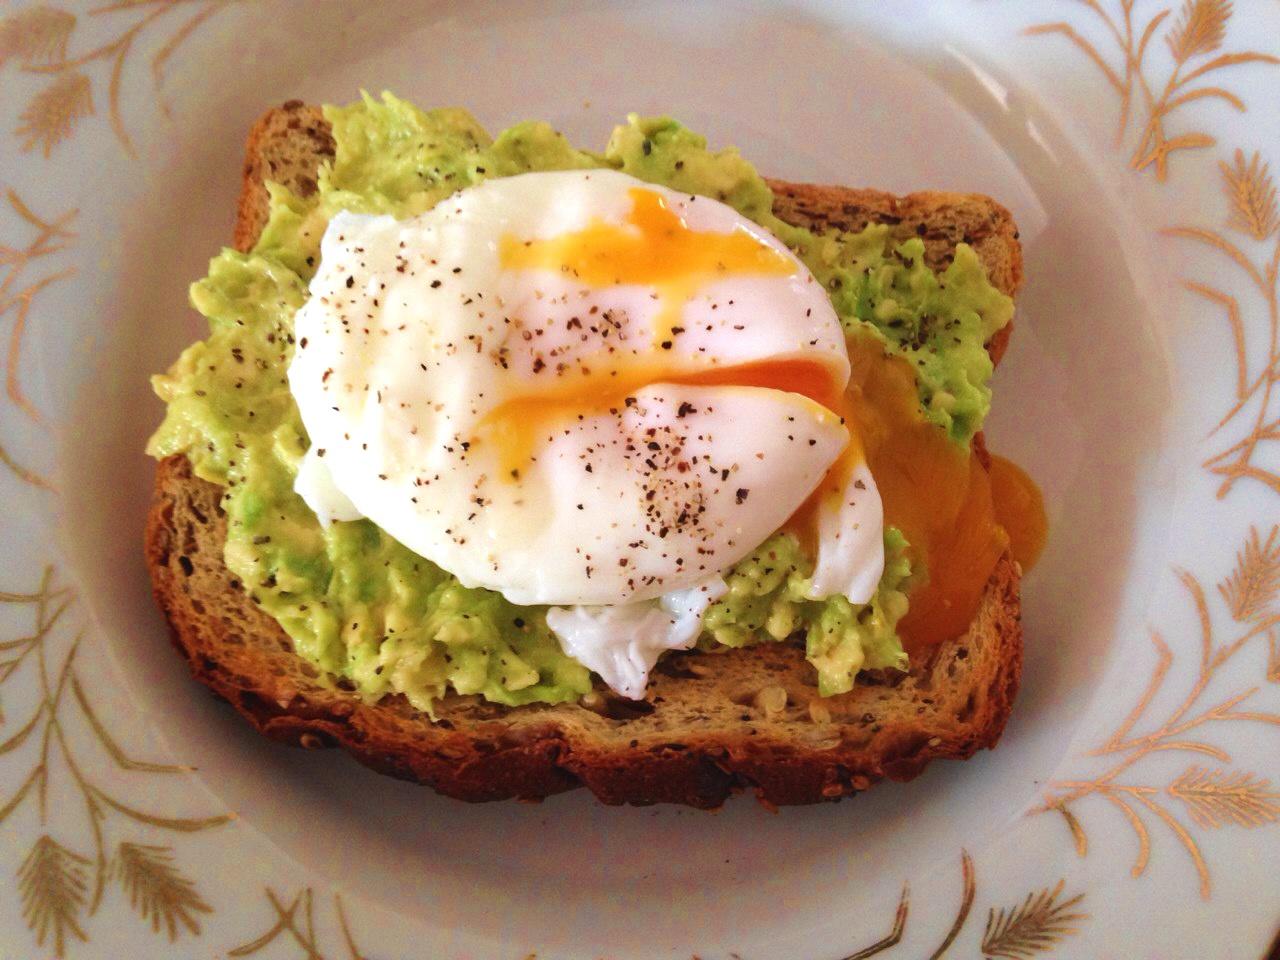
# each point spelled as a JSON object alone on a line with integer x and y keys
{"x": 363, "y": 607}
{"x": 767, "y": 601}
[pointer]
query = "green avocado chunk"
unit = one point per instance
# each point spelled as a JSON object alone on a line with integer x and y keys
{"x": 363, "y": 607}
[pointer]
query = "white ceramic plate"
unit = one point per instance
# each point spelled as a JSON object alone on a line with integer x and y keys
{"x": 1131, "y": 810}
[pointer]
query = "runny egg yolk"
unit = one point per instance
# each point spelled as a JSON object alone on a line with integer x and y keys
{"x": 1020, "y": 510}
{"x": 515, "y": 428}
{"x": 654, "y": 248}
{"x": 959, "y": 516}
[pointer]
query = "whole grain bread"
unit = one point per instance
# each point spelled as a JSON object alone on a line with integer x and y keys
{"x": 712, "y": 723}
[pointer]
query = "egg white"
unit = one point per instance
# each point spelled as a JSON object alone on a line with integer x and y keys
{"x": 415, "y": 332}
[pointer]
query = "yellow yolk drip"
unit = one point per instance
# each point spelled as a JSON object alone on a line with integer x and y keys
{"x": 516, "y": 428}
{"x": 1020, "y": 510}
{"x": 654, "y": 248}
{"x": 959, "y": 509}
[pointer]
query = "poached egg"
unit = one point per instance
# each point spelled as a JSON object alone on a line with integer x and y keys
{"x": 587, "y": 392}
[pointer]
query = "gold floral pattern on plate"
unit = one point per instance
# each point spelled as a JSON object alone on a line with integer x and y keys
{"x": 1040, "y": 922}
{"x": 38, "y": 40}
{"x": 1037, "y": 924}
{"x": 1252, "y": 196}
{"x": 1192, "y": 37}
{"x": 1211, "y": 798}
{"x": 296, "y": 923}
{"x": 18, "y": 292}
{"x": 64, "y": 868}
{"x": 64, "y": 876}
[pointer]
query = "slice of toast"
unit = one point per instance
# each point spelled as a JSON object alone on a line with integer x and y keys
{"x": 711, "y": 723}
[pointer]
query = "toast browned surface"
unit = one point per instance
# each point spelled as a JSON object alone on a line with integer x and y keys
{"x": 711, "y": 722}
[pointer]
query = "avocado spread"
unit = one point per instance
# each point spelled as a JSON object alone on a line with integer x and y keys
{"x": 363, "y": 607}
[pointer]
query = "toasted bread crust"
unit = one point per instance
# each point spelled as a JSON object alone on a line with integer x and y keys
{"x": 703, "y": 731}
{"x": 939, "y": 218}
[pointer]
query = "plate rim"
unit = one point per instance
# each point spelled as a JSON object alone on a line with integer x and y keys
{"x": 1195, "y": 166}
